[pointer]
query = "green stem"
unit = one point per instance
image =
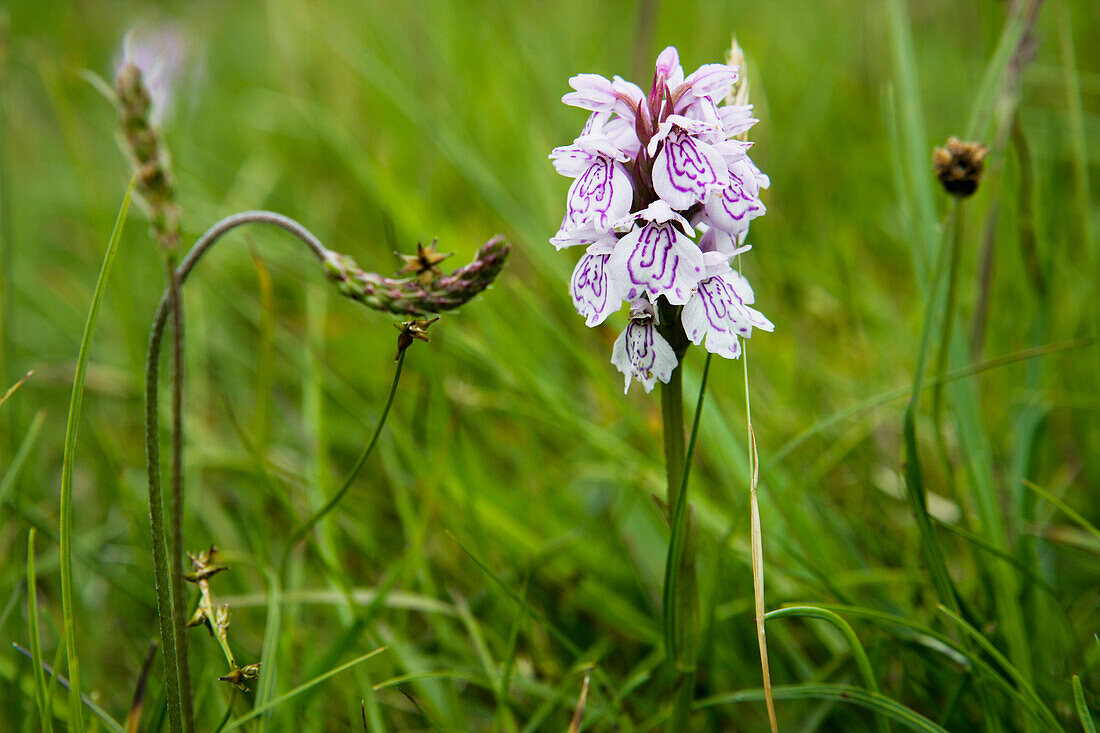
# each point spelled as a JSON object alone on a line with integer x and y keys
{"x": 170, "y": 612}
{"x": 176, "y": 492}
{"x": 672, "y": 416}
{"x": 680, "y": 601}
{"x": 304, "y": 529}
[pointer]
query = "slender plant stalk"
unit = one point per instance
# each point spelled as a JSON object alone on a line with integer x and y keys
{"x": 757, "y": 542}
{"x": 176, "y": 491}
{"x": 306, "y": 526}
{"x": 66, "y": 508}
{"x": 948, "y": 313}
{"x": 679, "y": 598}
{"x": 672, "y": 417}
{"x": 170, "y": 604}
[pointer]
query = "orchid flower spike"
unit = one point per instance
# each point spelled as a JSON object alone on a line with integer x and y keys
{"x": 662, "y": 195}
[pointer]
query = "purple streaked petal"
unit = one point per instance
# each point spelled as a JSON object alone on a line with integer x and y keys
{"x": 686, "y": 169}
{"x": 592, "y": 290}
{"x": 573, "y": 237}
{"x": 718, "y": 313}
{"x": 643, "y": 354}
{"x": 601, "y": 196}
{"x": 732, "y": 208}
{"x": 658, "y": 259}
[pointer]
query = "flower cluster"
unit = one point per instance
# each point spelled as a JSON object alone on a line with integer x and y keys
{"x": 662, "y": 196}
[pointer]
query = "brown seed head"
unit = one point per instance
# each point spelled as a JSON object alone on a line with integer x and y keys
{"x": 959, "y": 165}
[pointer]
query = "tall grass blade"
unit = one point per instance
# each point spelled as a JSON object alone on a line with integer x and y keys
{"x": 270, "y": 704}
{"x": 45, "y": 715}
{"x": 1017, "y": 677}
{"x": 874, "y": 701}
{"x": 1082, "y": 708}
{"x": 269, "y": 655}
{"x": 75, "y": 404}
{"x": 85, "y": 701}
{"x": 863, "y": 663}
{"x": 11, "y": 473}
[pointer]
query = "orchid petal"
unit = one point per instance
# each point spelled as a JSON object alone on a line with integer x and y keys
{"x": 601, "y": 195}
{"x": 686, "y": 169}
{"x": 658, "y": 259}
{"x": 643, "y": 354}
{"x": 592, "y": 290}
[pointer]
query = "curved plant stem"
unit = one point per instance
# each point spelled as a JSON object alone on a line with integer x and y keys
{"x": 170, "y": 602}
{"x": 306, "y": 526}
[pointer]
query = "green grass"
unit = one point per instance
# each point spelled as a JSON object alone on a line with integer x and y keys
{"x": 501, "y": 541}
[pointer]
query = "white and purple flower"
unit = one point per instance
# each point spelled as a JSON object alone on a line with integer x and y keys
{"x": 640, "y": 352}
{"x": 646, "y": 167}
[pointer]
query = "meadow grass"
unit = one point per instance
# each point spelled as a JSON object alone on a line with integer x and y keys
{"x": 500, "y": 542}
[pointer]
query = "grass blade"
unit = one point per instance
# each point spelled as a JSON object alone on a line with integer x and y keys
{"x": 1017, "y": 677}
{"x": 85, "y": 701}
{"x": 261, "y": 709}
{"x": 863, "y": 663}
{"x": 44, "y": 714}
{"x": 7, "y": 483}
{"x": 75, "y": 404}
{"x": 874, "y": 701}
{"x": 1082, "y": 709}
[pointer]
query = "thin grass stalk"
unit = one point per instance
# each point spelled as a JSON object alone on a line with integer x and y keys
{"x": 170, "y": 611}
{"x": 944, "y": 351}
{"x": 66, "y": 508}
{"x": 306, "y": 526}
{"x": 757, "y": 542}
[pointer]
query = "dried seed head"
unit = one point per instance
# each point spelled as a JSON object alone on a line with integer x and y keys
{"x": 413, "y": 296}
{"x": 425, "y": 263}
{"x": 739, "y": 93}
{"x": 414, "y": 330}
{"x": 959, "y": 165}
{"x": 237, "y": 675}
{"x": 148, "y": 155}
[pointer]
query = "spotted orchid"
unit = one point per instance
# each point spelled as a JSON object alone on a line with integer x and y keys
{"x": 662, "y": 195}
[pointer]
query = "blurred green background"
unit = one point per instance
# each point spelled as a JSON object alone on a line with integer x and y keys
{"x": 380, "y": 124}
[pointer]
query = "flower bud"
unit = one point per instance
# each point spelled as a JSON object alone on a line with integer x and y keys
{"x": 959, "y": 165}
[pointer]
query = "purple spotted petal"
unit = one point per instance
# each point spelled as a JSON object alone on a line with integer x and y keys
{"x": 592, "y": 290}
{"x": 686, "y": 169}
{"x": 658, "y": 259}
{"x": 599, "y": 197}
{"x": 719, "y": 314}
{"x": 643, "y": 354}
